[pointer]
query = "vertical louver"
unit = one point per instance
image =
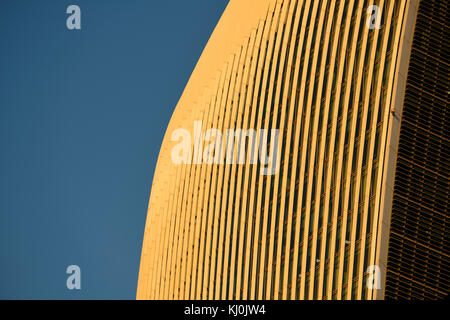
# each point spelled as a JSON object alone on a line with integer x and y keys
{"x": 331, "y": 85}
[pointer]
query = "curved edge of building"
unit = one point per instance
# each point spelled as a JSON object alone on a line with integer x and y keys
{"x": 252, "y": 62}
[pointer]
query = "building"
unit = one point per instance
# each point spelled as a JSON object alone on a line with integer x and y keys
{"x": 355, "y": 202}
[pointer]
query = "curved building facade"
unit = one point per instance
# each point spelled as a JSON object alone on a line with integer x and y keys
{"x": 307, "y": 157}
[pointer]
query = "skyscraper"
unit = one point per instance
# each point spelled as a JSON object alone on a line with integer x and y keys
{"x": 308, "y": 157}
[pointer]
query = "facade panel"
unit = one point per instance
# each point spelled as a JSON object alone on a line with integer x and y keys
{"x": 301, "y": 213}
{"x": 418, "y": 256}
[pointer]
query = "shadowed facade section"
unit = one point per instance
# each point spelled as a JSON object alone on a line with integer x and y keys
{"x": 418, "y": 258}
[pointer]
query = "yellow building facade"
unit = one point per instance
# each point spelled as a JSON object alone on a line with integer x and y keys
{"x": 330, "y": 76}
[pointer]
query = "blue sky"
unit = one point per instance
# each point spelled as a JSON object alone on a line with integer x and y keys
{"x": 82, "y": 117}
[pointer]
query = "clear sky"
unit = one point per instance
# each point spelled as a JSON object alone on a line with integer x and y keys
{"x": 82, "y": 117}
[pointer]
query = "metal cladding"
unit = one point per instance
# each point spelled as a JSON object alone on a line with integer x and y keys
{"x": 418, "y": 258}
{"x": 332, "y": 82}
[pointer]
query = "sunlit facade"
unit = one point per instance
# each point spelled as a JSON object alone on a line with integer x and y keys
{"x": 335, "y": 82}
